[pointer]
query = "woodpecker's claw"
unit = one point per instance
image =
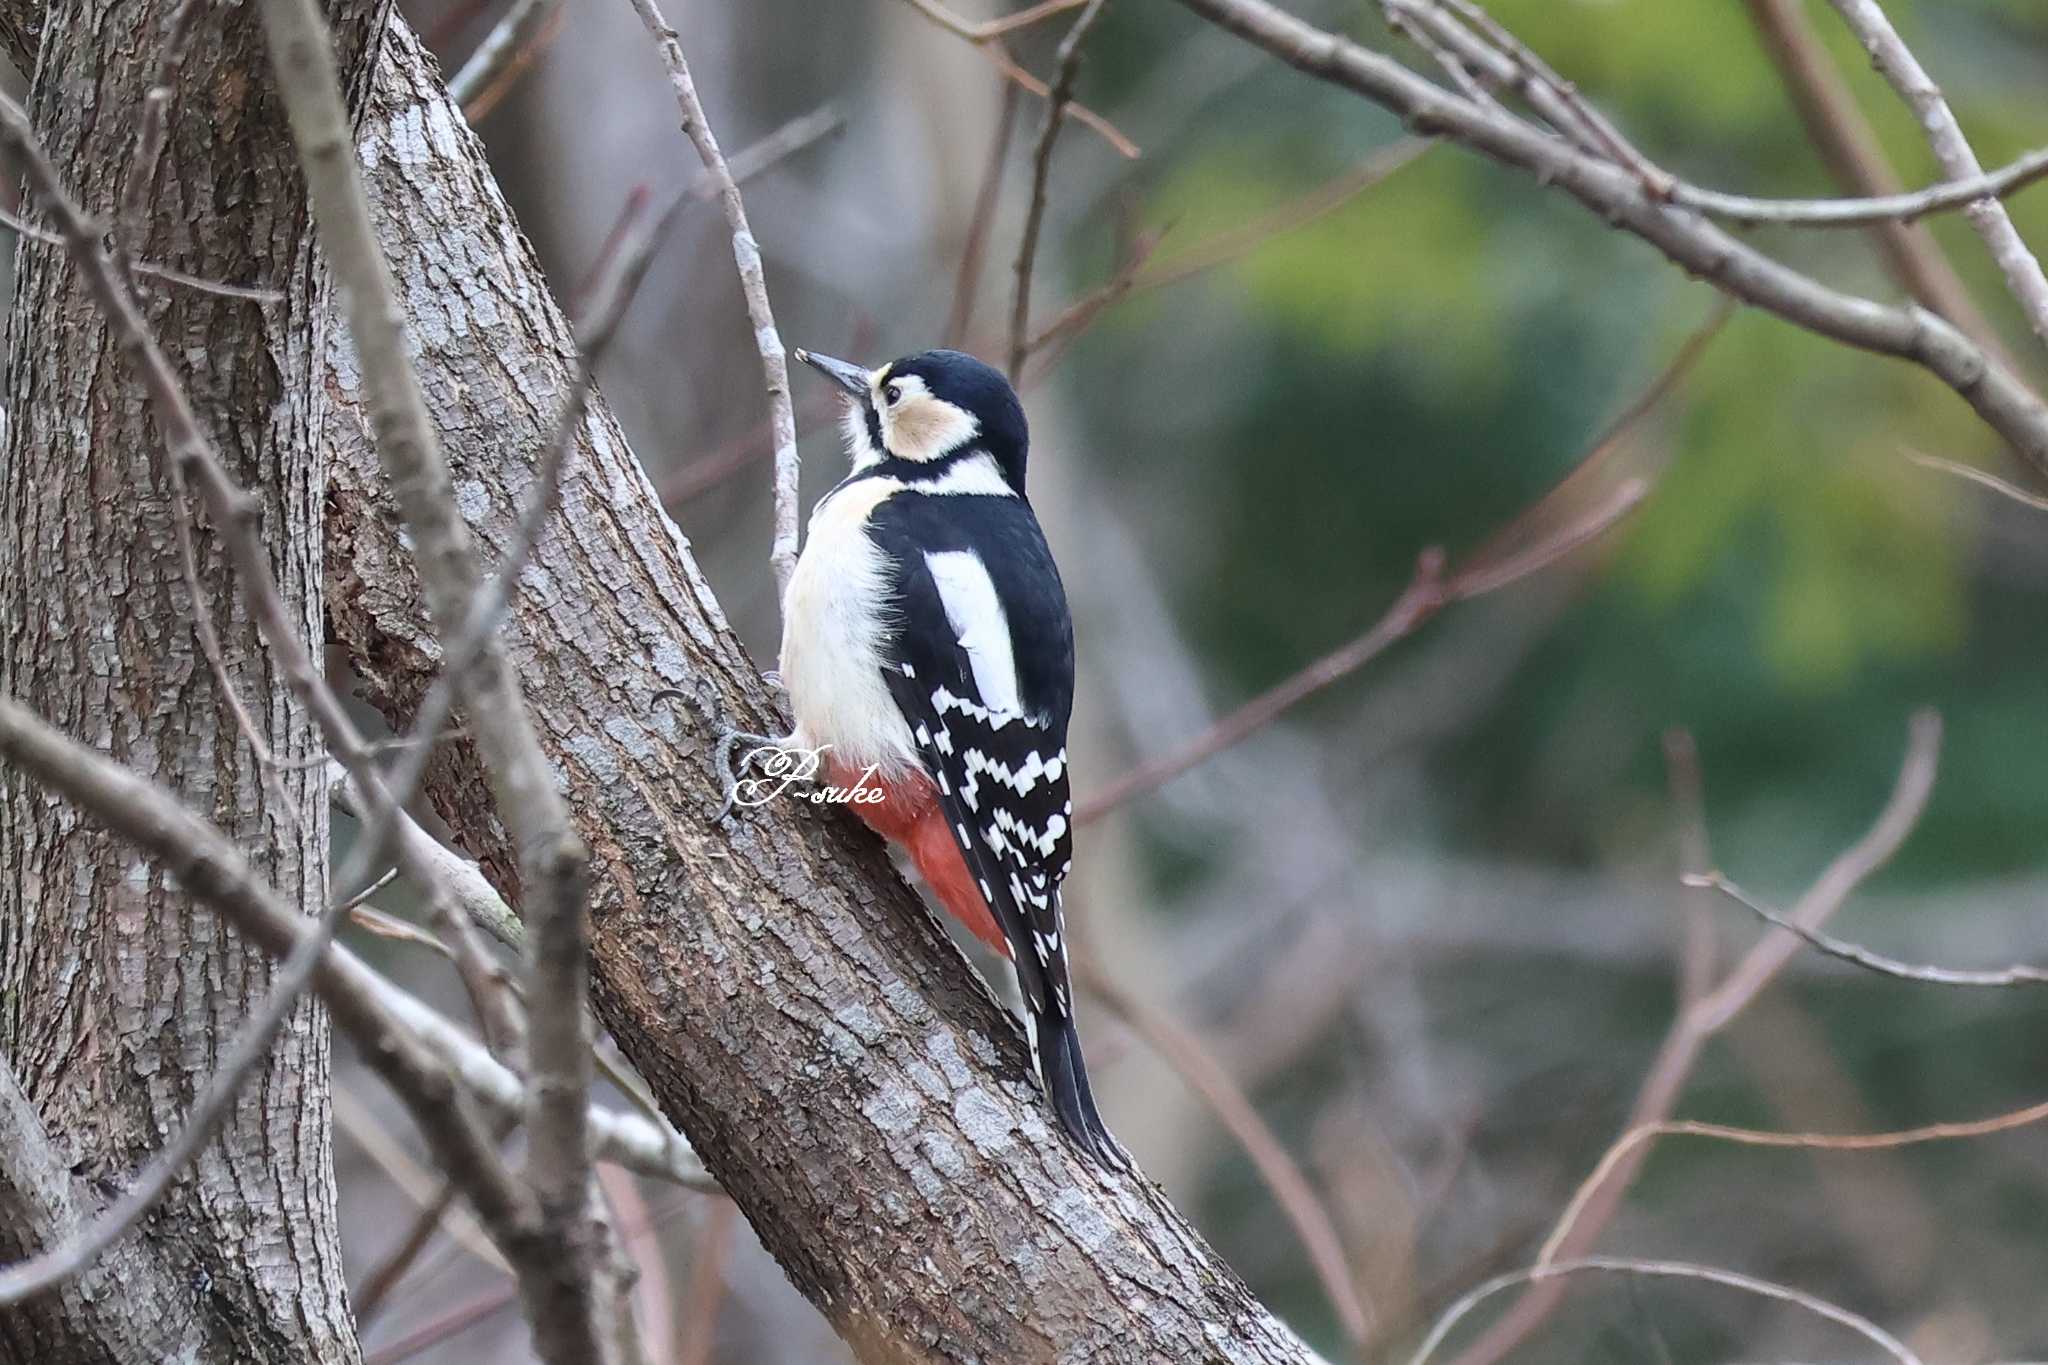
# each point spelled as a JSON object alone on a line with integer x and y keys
{"x": 722, "y": 763}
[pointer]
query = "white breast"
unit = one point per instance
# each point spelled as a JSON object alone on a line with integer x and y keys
{"x": 833, "y": 626}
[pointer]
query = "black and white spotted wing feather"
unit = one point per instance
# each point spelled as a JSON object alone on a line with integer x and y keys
{"x": 987, "y": 693}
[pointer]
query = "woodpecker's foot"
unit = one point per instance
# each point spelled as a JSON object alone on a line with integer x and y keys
{"x": 773, "y": 748}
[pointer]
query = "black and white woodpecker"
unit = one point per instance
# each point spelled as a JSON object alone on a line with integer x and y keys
{"x": 926, "y": 644}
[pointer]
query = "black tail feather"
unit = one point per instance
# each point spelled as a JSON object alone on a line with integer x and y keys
{"x": 1065, "y": 1077}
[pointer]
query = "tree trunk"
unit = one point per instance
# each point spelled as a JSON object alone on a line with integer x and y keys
{"x": 796, "y": 1010}
{"x": 798, "y": 1013}
{"x": 117, "y": 994}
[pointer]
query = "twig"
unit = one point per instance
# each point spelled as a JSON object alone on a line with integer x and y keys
{"x": 1560, "y": 99}
{"x": 991, "y": 29}
{"x": 506, "y": 79}
{"x": 1979, "y": 476}
{"x": 1080, "y": 112}
{"x": 1689, "y": 806}
{"x": 1599, "y": 136}
{"x": 746, "y": 254}
{"x": 1427, "y": 593}
{"x": 1232, "y": 243}
{"x": 461, "y": 877}
{"x": 1711, "y": 1012}
{"x": 967, "y": 280}
{"x": 1897, "y": 64}
{"x": 1068, "y": 66}
{"x": 1997, "y": 395}
{"x": 374, "y": 1012}
{"x": 521, "y": 20}
{"x": 1756, "y": 1137}
{"x": 233, "y": 512}
{"x": 1848, "y": 871}
{"x": 987, "y": 37}
{"x": 369, "y": 1298}
{"x": 1556, "y": 1271}
{"x": 1842, "y": 949}
{"x": 1849, "y": 146}
{"x": 1297, "y": 1199}
{"x": 425, "y": 1188}
{"x": 1078, "y": 316}
{"x": 1398, "y": 17}
{"x": 493, "y": 992}
{"x": 1867, "y": 212}
{"x": 214, "y": 871}
{"x": 558, "y": 1288}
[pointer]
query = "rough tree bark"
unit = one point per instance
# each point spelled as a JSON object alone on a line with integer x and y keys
{"x": 796, "y": 1010}
{"x": 116, "y": 993}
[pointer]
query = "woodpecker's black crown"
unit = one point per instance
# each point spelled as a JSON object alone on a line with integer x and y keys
{"x": 978, "y": 388}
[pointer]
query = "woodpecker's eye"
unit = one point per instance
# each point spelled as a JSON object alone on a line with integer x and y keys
{"x": 892, "y": 392}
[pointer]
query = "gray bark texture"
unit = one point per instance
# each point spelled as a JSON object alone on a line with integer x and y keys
{"x": 797, "y": 1012}
{"x": 117, "y": 992}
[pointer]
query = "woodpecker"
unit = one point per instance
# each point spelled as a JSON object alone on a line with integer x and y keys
{"x": 927, "y": 650}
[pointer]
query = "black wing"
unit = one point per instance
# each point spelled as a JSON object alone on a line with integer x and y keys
{"x": 1001, "y": 771}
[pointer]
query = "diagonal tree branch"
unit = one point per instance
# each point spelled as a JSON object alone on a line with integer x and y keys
{"x": 746, "y": 254}
{"x": 1619, "y": 198}
{"x": 1897, "y": 64}
{"x": 1711, "y": 1011}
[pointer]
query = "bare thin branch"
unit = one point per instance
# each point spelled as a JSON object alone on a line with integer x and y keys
{"x": 1998, "y": 396}
{"x": 746, "y": 254}
{"x": 515, "y": 28}
{"x": 1979, "y": 476}
{"x": 988, "y": 38}
{"x": 1068, "y": 67}
{"x": 414, "y": 1181}
{"x": 1581, "y": 122}
{"x": 967, "y": 281}
{"x": 1297, "y": 1199}
{"x": 1849, "y": 870}
{"x": 462, "y": 878}
{"x": 1845, "y": 951}
{"x": 1080, "y": 112}
{"x": 1897, "y": 64}
{"x": 993, "y": 28}
{"x": 1712, "y": 1011}
{"x": 1615, "y": 1265}
{"x": 232, "y": 509}
{"x": 1757, "y": 1137}
{"x": 213, "y": 870}
{"x": 373, "y": 1295}
{"x": 1847, "y": 143}
{"x": 1895, "y": 208}
{"x": 1235, "y": 243}
{"x": 558, "y": 1288}
{"x": 1493, "y": 567}
{"x": 1077, "y": 317}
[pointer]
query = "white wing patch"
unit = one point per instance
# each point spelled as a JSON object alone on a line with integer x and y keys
{"x": 976, "y": 615}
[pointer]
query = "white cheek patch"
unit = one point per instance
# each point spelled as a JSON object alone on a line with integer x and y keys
{"x": 920, "y": 427}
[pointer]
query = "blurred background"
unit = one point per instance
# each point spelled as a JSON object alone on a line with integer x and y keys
{"x": 1429, "y": 921}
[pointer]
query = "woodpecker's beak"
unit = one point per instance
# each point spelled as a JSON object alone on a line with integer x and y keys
{"x": 852, "y": 378}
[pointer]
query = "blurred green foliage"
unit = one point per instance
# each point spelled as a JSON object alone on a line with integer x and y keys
{"x": 1417, "y": 366}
